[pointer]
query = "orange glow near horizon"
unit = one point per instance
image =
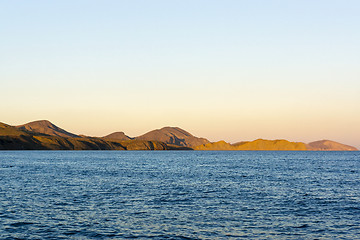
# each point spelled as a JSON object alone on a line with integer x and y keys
{"x": 228, "y": 71}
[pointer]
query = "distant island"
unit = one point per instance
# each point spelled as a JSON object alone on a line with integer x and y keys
{"x": 43, "y": 135}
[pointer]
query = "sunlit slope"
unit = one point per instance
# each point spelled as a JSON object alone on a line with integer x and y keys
{"x": 262, "y": 144}
{"x": 259, "y": 144}
{"x": 277, "y": 145}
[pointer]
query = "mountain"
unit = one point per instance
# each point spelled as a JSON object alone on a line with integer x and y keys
{"x": 46, "y": 127}
{"x": 36, "y": 136}
{"x": 43, "y": 135}
{"x": 174, "y": 136}
{"x": 259, "y": 144}
{"x": 117, "y": 136}
{"x": 18, "y": 138}
{"x": 327, "y": 145}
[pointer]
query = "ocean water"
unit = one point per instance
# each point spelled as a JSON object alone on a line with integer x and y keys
{"x": 179, "y": 195}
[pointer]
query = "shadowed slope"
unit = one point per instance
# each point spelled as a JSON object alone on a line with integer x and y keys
{"x": 173, "y": 135}
{"x": 327, "y": 145}
{"x": 143, "y": 145}
{"x": 46, "y": 127}
{"x": 7, "y": 130}
{"x": 12, "y": 138}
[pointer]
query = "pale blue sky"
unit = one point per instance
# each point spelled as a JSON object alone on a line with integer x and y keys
{"x": 232, "y": 70}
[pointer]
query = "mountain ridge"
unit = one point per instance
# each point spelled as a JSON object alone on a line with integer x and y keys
{"x": 14, "y": 138}
{"x": 44, "y": 135}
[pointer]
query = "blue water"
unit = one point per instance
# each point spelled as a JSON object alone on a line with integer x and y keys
{"x": 179, "y": 195}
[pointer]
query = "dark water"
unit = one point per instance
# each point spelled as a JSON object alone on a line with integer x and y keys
{"x": 179, "y": 195}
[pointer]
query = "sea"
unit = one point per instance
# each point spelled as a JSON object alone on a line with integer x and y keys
{"x": 179, "y": 195}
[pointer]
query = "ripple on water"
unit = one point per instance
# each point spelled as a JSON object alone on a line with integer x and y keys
{"x": 179, "y": 195}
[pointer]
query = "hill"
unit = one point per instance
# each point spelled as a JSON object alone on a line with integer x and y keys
{"x": 46, "y": 127}
{"x": 117, "y": 136}
{"x": 327, "y": 145}
{"x": 175, "y": 136}
{"x": 259, "y": 144}
{"x": 7, "y": 130}
{"x": 12, "y": 138}
{"x": 262, "y": 144}
{"x": 280, "y": 145}
{"x": 43, "y": 135}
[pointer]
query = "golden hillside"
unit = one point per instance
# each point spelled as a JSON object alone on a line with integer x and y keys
{"x": 259, "y": 144}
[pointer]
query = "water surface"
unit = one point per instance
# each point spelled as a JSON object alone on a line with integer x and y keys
{"x": 179, "y": 195}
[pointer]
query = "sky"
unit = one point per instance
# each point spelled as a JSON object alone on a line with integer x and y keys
{"x": 228, "y": 70}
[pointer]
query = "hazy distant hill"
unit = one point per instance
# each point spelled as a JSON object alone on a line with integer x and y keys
{"x": 46, "y": 127}
{"x": 117, "y": 136}
{"x": 327, "y": 145}
{"x": 175, "y": 136}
